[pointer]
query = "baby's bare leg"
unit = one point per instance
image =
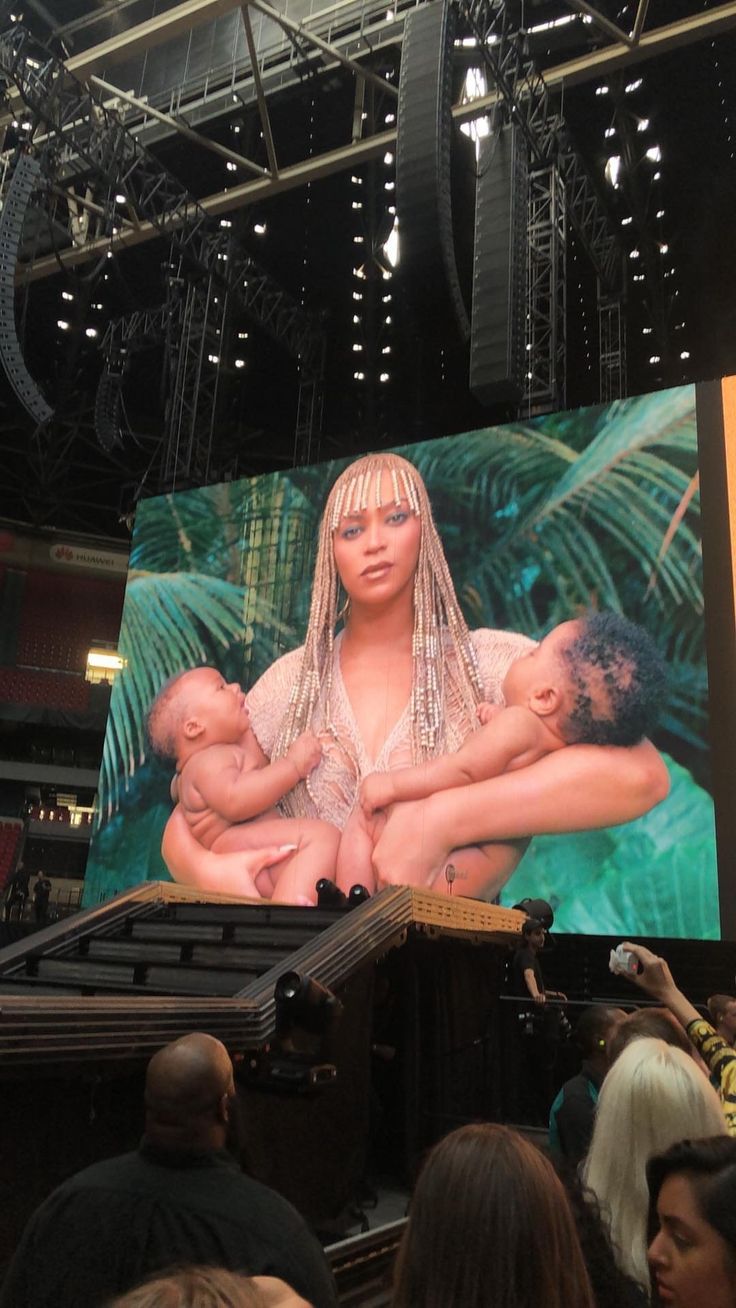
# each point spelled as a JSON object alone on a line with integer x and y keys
{"x": 355, "y": 855}
{"x": 314, "y": 855}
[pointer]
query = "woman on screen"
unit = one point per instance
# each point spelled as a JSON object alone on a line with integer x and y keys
{"x": 400, "y": 682}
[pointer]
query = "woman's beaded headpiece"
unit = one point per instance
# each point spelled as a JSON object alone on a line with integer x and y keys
{"x": 443, "y": 654}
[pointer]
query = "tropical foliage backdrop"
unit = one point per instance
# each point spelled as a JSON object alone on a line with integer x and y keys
{"x": 540, "y": 519}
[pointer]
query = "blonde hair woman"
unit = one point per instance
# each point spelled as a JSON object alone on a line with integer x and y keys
{"x": 389, "y": 674}
{"x": 653, "y": 1096}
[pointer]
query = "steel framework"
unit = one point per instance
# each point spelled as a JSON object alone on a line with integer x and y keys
{"x": 546, "y": 292}
{"x": 611, "y": 347}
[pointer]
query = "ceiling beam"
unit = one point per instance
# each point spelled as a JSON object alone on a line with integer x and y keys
{"x": 659, "y": 41}
{"x": 144, "y": 36}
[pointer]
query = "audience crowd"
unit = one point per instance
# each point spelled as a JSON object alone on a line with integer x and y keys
{"x": 633, "y": 1204}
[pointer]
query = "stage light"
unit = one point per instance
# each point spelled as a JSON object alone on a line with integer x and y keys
{"x": 389, "y": 186}
{"x": 384, "y": 377}
{"x": 391, "y": 247}
{"x": 225, "y": 222}
{"x": 121, "y": 199}
{"x": 357, "y": 896}
{"x": 329, "y": 895}
{"x": 632, "y": 86}
{"x": 613, "y": 170}
{"x": 388, "y": 158}
{"x": 356, "y": 347}
{"x": 231, "y": 167}
{"x": 642, "y": 125}
{"x": 386, "y": 349}
{"x": 656, "y": 177}
{"x": 103, "y": 664}
{"x": 357, "y": 240}
{"x": 213, "y": 358}
{"x": 625, "y": 221}
{"x": 240, "y": 363}
{"x": 609, "y": 132}
{"x": 664, "y": 247}
{"x": 654, "y": 153}
{"x": 388, "y": 321}
{"x": 91, "y": 332}
{"x": 601, "y": 90}
{"x": 356, "y": 317}
{"x": 633, "y": 254}
{"x": 357, "y": 204}
{"x": 260, "y": 228}
{"x": 390, "y": 118}
{"x": 62, "y": 324}
{"x": 646, "y": 331}
{"x": 358, "y": 180}
{"x": 684, "y": 354}
{"x": 67, "y": 295}
{"x": 539, "y": 909}
{"x": 301, "y": 1001}
{"x": 357, "y": 295}
{"x": 386, "y": 299}
{"x": 655, "y": 358}
{"x": 660, "y": 213}
{"x": 358, "y": 376}
{"x": 242, "y": 336}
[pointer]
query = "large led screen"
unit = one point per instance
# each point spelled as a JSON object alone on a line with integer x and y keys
{"x": 538, "y": 523}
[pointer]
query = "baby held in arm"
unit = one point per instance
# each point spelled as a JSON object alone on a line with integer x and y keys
{"x": 226, "y": 790}
{"x": 594, "y": 680}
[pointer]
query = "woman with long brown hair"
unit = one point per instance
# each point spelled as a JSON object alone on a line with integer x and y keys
{"x": 490, "y": 1226}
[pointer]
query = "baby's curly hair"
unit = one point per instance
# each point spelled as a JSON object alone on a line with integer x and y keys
{"x": 618, "y": 679}
{"x": 165, "y": 716}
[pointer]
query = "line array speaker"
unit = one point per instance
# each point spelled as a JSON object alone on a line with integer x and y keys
{"x": 423, "y": 178}
{"x": 25, "y": 177}
{"x": 498, "y": 337}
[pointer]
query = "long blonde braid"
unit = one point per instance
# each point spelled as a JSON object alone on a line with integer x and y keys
{"x": 443, "y": 656}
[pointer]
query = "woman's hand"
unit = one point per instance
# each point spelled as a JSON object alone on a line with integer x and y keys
{"x": 233, "y": 873}
{"x": 655, "y": 978}
{"x": 412, "y": 849}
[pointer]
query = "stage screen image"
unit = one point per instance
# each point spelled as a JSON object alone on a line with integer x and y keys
{"x": 540, "y": 522}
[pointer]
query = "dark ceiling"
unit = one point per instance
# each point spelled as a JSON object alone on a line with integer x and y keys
{"x": 61, "y": 477}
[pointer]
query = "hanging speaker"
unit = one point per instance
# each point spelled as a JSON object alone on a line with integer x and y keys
{"x": 428, "y": 267}
{"x": 498, "y": 335}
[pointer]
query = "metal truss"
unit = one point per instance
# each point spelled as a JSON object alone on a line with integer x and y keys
{"x": 192, "y": 404}
{"x": 611, "y": 347}
{"x": 546, "y": 292}
{"x": 527, "y": 101}
{"x": 78, "y": 123}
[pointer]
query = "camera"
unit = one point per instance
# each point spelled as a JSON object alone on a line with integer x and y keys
{"x": 622, "y": 962}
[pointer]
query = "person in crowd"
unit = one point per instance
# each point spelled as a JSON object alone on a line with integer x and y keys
{"x": 657, "y": 1023}
{"x": 41, "y": 896}
{"x": 526, "y": 970}
{"x": 596, "y": 680}
{"x": 180, "y": 1198}
{"x": 653, "y": 1096}
{"x": 400, "y": 683}
{"x": 489, "y": 1223}
{"x": 16, "y": 894}
{"x": 210, "y": 1287}
{"x": 692, "y": 1256}
{"x": 722, "y": 1010}
{"x": 612, "y": 1288}
{"x": 228, "y": 792}
{"x": 573, "y": 1111}
{"x": 655, "y": 978}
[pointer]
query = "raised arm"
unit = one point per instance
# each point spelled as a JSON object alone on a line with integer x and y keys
{"x": 655, "y": 979}
{"x": 487, "y": 753}
{"x": 574, "y": 789}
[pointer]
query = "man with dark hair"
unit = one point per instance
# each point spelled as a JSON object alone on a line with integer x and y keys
{"x": 41, "y": 896}
{"x": 573, "y": 1112}
{"x": 178, "y": 1199}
